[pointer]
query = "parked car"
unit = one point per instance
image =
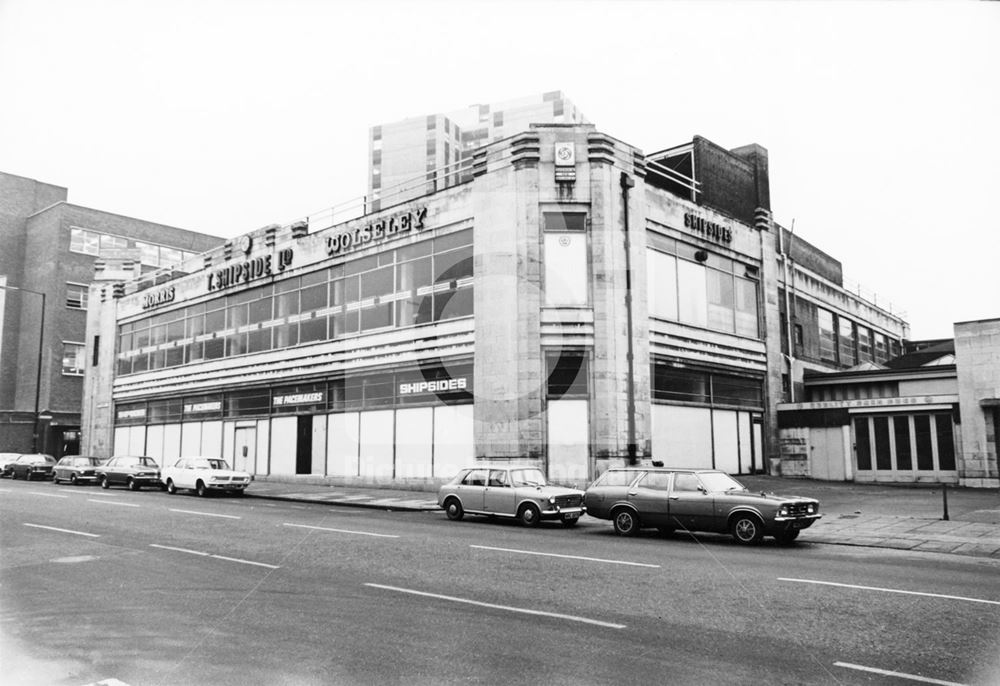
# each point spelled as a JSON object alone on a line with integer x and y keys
{"x": 509, "y": 491}
{"x": 203, "y": 475}
{"x": 133, "y": 471}
{"x": 32, "y": 466}
{"x": 696, "y": 500}
{"x": 76, "y": 468}
{"x": 6, "y": 460}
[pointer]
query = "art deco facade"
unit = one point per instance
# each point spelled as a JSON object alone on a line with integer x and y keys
{"x": 573, "y": 303}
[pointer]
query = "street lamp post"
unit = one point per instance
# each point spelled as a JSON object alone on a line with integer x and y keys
{"x": 38, "y": 372}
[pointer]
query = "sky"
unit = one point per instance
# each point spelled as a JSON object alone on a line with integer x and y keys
{"x": 881, "y": 120}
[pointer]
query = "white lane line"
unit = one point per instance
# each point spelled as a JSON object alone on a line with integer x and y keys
{"x": 179, "y": 550}
{"x": 246, "y": 562}
{"x": 65, "y": 531}
{"x": 901, "y": 675}
{"x": 567, "y": 557}
{"x": 893, "y": 590}
{"x": 48, "y": 495}
{"x": 342, "y": 531}
{"x": 507, "y": 608}
{"x": 217, "y": 557}
{"x": 111, "y": 502}
{"x": 205, "y": 514}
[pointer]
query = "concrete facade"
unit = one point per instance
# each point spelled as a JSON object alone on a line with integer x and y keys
{"x": 611, "y": 320}
{"x": 977, "y": 359}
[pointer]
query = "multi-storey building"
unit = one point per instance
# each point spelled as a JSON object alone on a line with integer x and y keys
{"x": 420, "y": 155}
{"x": 47, "y": 263}
{"x": 573, "y": 303}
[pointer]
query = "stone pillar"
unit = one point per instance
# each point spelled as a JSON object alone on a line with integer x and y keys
{"x": 977, "y": 360}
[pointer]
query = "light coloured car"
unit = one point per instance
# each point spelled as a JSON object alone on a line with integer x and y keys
{"x": 132, "y": 471}
{"x": 76, "y": 469}
{"x": 510, "y": 491}
{"x": 6, "y": 460}
{"x": 204, "y": 475}
{"x": 696, "y": 500}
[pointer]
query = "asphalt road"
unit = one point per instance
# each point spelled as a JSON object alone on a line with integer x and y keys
{"x": 149, "y": 588}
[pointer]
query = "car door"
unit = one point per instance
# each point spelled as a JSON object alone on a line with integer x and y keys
{"x": 650, "y": 496}
{"x": 690, "y": 506}
{"x": 498, "y": 496}
{"x": 472, "y": 489}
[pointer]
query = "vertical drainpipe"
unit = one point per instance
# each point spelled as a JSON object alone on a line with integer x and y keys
{"x": 626, "y": 183}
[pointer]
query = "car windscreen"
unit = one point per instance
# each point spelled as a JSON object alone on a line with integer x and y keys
{"x": 527, "y": 477}
{"x": 148, "y": 462}
{"x": 218, "y": 464}
{"x": 717, "y": 482}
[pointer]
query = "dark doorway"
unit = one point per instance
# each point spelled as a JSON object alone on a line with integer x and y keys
{"x": 303, "y": 451}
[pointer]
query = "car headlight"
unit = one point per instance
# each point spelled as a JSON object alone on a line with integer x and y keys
{"x": 811, "y": 509}
{"x": 552, "y": 501}
{"x": 783, "y": 511}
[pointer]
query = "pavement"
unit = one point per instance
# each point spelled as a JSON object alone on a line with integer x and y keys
{"x": 902, "y": 517}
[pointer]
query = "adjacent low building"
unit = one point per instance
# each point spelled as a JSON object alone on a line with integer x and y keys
{"x": 574, "y": 303}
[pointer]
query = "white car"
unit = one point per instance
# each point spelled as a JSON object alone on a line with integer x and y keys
{"x": 204, "y": 474}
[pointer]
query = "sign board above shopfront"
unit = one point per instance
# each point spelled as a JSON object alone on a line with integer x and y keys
{"x": 376, "y": 231}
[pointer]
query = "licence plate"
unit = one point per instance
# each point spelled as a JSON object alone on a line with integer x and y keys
{"x": 571, "y": 515}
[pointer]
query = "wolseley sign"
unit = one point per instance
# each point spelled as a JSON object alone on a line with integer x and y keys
{"x": 380, "y": 230}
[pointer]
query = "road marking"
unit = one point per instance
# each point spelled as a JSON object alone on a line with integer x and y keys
{"x": 179, "y": 550}
{"x": 902, "y": 675}
{"x": 521, "y": 610}
{"x": 111, "y": 502}
{"x": 342, "y": 531}
{"x": 893, "y": 590}
{"x": 65, "y": 531}
{"x": 205, "y": 514}
{"x": 217, "y": 557}
{"x": 568, "y": 557}
{"x": 48, "y": 495}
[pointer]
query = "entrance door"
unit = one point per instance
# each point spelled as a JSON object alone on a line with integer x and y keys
{"x": 826, "y": 453}
{"x": 245, "y": 449}
{"x": 304, "y": 445}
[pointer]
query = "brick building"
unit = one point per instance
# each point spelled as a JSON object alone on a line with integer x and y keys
{"x": 50, "y": 251}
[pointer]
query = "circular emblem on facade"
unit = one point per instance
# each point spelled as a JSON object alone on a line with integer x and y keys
{"x": 564, "y": 241}
{"x": 245, "y": 243}
{"x": 564, "y": 153}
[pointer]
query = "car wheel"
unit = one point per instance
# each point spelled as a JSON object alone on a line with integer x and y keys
{"x": 787, "y": 537}
{"x": 13, "y": 475}
{"x": 200, "y": 489}
{"x": 453, "y": 508}
{"x": 55, "y": 478}
{"x": 746, "y": 529}
{"x": 72, "y": 479}
{"x": 529, "y": 514}
{"x": 626, "y": 521}
{"x": 104, "y": 482}
{"x": 171, "y": 489}
{"x": 132, "y": 485}
{"x": 27, "y": 475}
{"x": 570, "y": 522}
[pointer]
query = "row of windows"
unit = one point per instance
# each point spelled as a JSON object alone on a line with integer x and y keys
{"x": 88, "y": 242}
{"x": 448, "y": 384}
{"x": 847, "y": 343}
{"x": 705, "y": 293}
{"x": 416, "y": 284}
{"x": 703, "y": 387}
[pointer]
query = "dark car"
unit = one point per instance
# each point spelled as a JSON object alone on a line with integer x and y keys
{"x": 32, "y": 466}
{"x": 696, "y": 500}
{"x": 133, "y": 471}
{"x": 76, "y": 469}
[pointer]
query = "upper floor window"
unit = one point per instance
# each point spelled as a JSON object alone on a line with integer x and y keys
{"x": 567, "y": 281}
{"x": 827, "y": 336}
{"x": 76, "y": 296}
{"x": 73, "y": 359}
{"x": 701, "y": 289}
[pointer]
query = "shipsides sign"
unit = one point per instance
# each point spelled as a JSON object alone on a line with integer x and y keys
{"x": 377, "y": 231}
